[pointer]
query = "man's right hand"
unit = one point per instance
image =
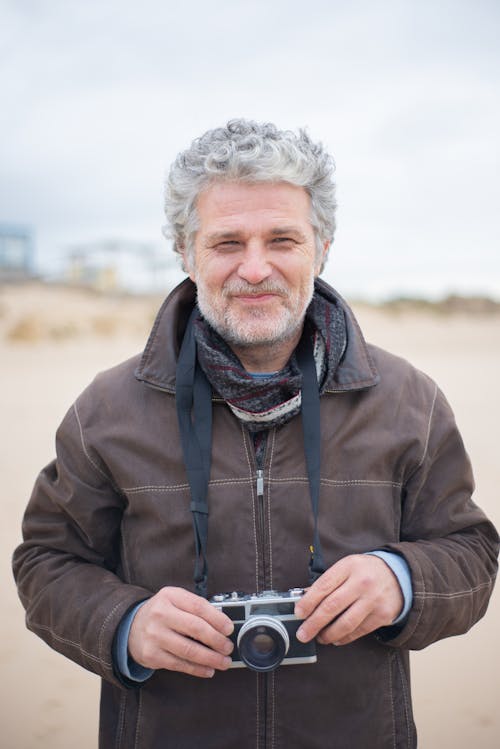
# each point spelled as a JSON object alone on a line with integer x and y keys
{"x": 180, "y": 631}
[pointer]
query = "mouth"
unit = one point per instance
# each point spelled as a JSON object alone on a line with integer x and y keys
{"x": 256, "y": 298}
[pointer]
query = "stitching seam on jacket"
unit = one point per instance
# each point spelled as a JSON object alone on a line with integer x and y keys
{"x": 138, "y": 724}
{"x": 258, "y": 710}
{"x": 257, "y": 702}
{"x": 124, "y": 557}
{"x": 390, "y": 657}
{"x": 158, "y": 488}
{"x": 362, "y": 482}
{"x": 229, "y": 482}
{"x": 84, "y": 447}
{"x": 76, "y": 645}
{"x": 337, "y": 482}
{"x": 103, "y": 627}
{"x": 121, "y": 720}
{"x": 181, "y": 487}
{"x": 456, "y": 594}
{"x": 269, "y": 511}
{"x": 417, "y": 595}
{"x": 405, "y": 696}
{"x": 427, "y": 437}
{"x": 253, "y": 509}
{"x": 273, "y": 709}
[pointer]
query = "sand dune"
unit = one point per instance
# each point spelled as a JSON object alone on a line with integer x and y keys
{"x": 52, "y": 342}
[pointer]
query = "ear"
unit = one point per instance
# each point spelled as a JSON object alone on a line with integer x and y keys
{"x": 321, "y": 261}
{"x": 187, "y": 264}
{"x": 190, "y": 271}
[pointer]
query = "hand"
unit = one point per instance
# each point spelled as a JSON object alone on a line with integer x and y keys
{"x": 354, "y": 597}
{"x": 180, "y": 631}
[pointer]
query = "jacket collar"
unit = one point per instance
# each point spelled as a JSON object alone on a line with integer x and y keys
{"x": 356, "y": 370}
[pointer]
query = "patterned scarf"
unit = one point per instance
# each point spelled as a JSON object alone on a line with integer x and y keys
{"x": 265, "y": 402}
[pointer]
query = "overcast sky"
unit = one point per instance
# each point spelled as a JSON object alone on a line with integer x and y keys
{"x": 97, "y": 97}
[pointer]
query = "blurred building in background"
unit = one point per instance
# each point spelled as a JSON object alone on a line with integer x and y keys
{"x": 120, "y": 265}
{"x": 16, "y": 253}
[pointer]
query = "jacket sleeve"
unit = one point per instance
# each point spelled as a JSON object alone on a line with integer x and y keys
{"x": 447, "y": 541}
{"x": 66, "y": 567}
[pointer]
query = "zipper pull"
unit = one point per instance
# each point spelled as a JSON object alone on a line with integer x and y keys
{"x": 260, "y": 483}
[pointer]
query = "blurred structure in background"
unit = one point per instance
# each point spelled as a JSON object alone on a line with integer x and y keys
{"x": 16, "y": 253}
{"x": 113, "y": 266}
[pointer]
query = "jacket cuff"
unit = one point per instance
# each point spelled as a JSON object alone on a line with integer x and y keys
{"x": 122, "y": 661}
{"x": 401, "y": 570}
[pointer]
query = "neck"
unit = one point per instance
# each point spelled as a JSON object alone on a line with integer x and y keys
{"x": 269, "y": 357}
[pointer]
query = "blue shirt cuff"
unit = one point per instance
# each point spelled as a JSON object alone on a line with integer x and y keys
{"x": 400, "y": 567}
{"x": 124, "y": 663}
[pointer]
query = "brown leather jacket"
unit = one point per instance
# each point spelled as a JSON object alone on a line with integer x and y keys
{"x": 109, "y": 524}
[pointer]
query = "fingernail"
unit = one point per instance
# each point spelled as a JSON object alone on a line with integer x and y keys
{"x": 228, "y": 647}
{"x": 228, "y": 629}
{"x": 210, "y": 673}
{"x": 301, "y": 634}
{"x": 227, "y": 662}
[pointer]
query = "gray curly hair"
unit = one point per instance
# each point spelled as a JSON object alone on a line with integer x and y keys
{"x": 246, "y": 151}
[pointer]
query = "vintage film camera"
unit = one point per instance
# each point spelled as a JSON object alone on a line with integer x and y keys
{"x": 264, "y": 629}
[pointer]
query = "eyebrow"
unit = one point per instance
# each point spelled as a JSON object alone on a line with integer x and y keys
{"x": 221, "y": 236}
{"x": 280, "y": 230}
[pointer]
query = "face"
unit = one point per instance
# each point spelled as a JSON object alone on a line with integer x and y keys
{"x": 254, "y": 261}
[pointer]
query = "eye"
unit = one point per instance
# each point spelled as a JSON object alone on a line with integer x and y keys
{"x": 230, "y": 244}
{"x": 283, "y": 241}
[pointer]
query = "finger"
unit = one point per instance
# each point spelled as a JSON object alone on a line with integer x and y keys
{"x": 327, "y": 611}
{"x": 160, "y": 616}
{"x": 329, "y": 581}
{"x": 171, "y": 662}
{"x": 330, "y": 637}
{"x": 353, "y": 620}
{"x": 180, "y": 653}
{"x": 194, "y": 652}
{"x": 196, "y": 628}
{"x": 157, "y": 646}
{"x": 187, "y": 601}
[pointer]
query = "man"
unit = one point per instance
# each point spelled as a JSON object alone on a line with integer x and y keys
{"x": 361, "y": 496}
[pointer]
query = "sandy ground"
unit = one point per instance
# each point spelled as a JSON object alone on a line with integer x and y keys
{"x": 53, "y": 341}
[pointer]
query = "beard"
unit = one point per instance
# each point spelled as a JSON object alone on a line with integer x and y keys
{"x": 255, "y": 325}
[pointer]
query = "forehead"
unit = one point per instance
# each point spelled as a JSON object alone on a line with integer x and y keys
{"x": 233, "y": 205}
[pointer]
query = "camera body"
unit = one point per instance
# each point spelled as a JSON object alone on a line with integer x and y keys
{"x": 264, "y": 629}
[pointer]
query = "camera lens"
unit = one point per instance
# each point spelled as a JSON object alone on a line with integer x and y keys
{"x": 263, "y": 643}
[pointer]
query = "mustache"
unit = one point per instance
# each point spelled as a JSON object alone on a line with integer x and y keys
{"x": 234, "y": 288}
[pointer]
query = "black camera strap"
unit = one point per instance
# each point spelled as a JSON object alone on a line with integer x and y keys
{"x": 193, "y": 397}
{"x": 311, "y": 427}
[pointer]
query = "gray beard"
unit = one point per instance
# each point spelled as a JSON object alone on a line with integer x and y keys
{"x": 235, "y": 334}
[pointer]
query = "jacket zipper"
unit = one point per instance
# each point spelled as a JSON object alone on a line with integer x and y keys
{"x": 260, "y": 517}
{"x": 261, "y": 523}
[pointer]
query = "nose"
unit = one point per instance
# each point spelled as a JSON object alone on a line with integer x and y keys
{"x": 255, "y": 266}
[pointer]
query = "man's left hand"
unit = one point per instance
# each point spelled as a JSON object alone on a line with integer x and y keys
{"x": 354, "y": 597}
